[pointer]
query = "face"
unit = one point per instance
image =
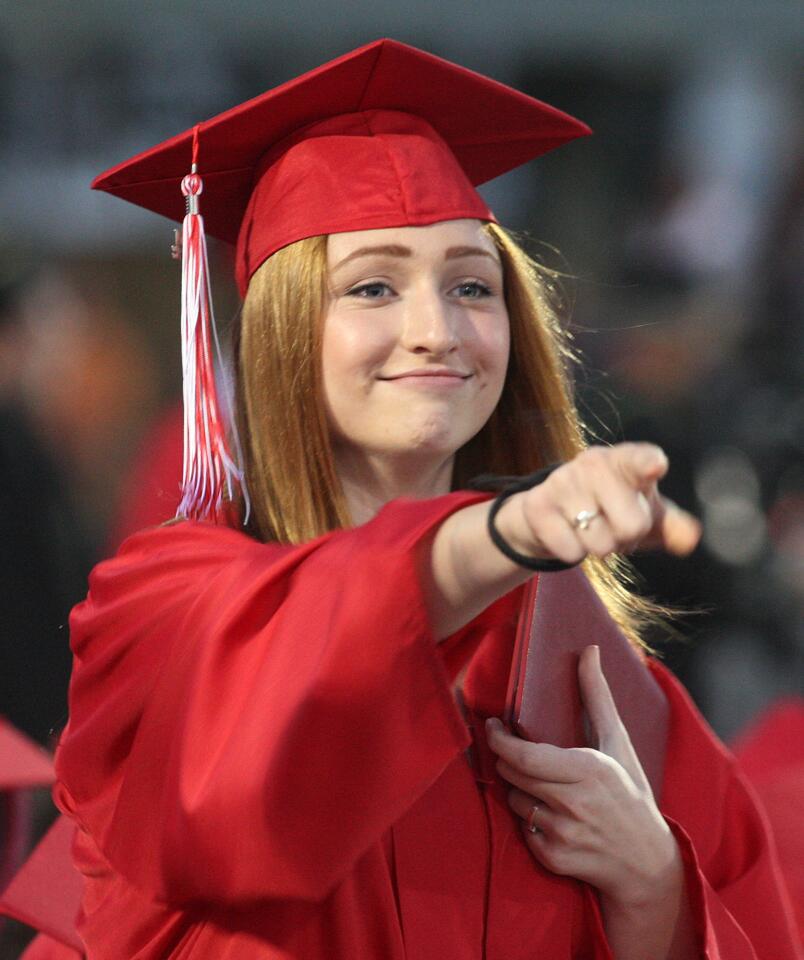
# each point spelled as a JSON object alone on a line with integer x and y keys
{"x": 415, "y": 339}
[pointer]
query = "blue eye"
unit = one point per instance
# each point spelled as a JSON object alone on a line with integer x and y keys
{"x": 473, "y": 290}
{"x": 370, "y": 291}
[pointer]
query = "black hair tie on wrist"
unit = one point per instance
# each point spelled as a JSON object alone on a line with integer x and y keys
{"x": 508, "y": 486}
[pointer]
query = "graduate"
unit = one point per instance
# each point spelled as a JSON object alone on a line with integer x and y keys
{"x": 283, "y": 737}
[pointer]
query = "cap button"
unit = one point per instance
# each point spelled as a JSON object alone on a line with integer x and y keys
{"x": 192, "y": 185}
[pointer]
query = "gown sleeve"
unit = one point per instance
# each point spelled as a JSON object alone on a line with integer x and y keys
{"x": 733, "y": 879}
{"x": 246, "y": 719}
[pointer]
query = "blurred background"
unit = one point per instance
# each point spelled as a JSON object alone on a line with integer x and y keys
{"x": 680, "y": 226}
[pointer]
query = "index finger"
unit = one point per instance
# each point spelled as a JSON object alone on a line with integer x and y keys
{"x": 538, "y": 761}
{"x": 640, "y": 464}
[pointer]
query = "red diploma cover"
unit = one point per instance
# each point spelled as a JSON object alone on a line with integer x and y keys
{"x": 561, "y": 615}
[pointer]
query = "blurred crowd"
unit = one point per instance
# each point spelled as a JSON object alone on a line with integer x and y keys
{"x": 697, "y": 342}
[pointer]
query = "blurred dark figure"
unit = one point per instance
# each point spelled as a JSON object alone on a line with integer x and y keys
{"x": 45, "y": 553}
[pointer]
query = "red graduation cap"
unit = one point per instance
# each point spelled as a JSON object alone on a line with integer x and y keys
{"x": 384, "y": 136}
{"x": 23, "y": 763}
{"x": 773, "y": 742}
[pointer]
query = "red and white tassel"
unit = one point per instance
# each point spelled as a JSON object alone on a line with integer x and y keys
{"x": 209, "y": 468}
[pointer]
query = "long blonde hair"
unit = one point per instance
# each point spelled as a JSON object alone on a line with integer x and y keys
{"x": 289, "y": 465}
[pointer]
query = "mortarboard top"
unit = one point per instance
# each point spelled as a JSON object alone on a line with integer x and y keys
{"x": 386, "y": 135}
{"x": 23, "y": 763}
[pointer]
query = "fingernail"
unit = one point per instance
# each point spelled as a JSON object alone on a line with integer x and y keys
{"x": 493, "y": 725}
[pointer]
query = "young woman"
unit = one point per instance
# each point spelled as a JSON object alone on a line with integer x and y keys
{"x": 266, "y": 756}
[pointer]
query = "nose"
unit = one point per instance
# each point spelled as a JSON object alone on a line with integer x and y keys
{"x": 430, "y": 324}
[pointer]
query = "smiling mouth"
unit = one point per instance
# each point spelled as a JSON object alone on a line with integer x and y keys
{"x": 430, "y": 382}
{"x": 434, "y": 374}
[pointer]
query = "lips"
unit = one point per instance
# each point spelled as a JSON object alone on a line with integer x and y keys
{"x": 440, "y": 372}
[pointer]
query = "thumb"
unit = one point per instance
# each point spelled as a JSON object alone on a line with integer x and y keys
{"x": 674, "y": 530}
{"x": 597, "y": 698}
{"x": 612, "y": 737}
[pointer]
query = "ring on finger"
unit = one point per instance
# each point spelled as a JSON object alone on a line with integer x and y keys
{"x": 583, "y": 518}
{"x": 531, "y": 824}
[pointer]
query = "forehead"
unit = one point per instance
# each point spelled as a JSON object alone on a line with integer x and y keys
{"x": 431, "y": 239}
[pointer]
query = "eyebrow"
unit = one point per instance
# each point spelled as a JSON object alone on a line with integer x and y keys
{"x": 395, "y": 250}
{"x": 389, "y": 250}
{"x": 455, "y": 253}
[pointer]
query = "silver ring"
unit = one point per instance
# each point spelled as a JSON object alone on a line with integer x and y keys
{"x": 582, "y": 520}
{"x": 533, "y": 811}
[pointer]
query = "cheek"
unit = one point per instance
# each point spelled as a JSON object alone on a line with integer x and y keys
{"x": 351, "y": 352}
{"x": 493, "y": 347}
{"x": 340, "y": 348}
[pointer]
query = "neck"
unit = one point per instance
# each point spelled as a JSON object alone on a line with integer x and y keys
{"x": 370, "y": 482}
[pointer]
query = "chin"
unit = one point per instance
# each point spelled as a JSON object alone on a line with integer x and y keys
{"x": 434, "y": 435}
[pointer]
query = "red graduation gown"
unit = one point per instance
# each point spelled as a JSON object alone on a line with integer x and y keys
{"x": 265, "y": 760}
